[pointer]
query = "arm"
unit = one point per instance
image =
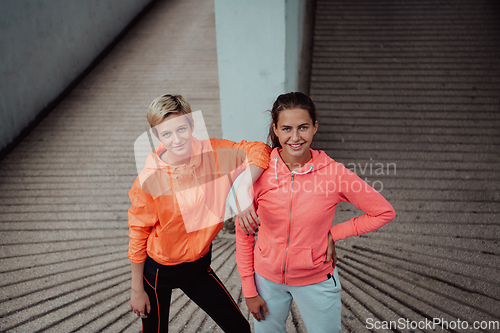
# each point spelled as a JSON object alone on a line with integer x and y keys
{"x": 244, "y": 260}
{"x": 139, "y": 300}
{"x": 247, "y": 216}
{"x": 378, "y": 211}
{"x": 233, "y": 155}
{"x": 142, "y": 217}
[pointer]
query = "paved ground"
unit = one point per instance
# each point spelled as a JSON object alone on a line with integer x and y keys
{"x": 410, "y": 83}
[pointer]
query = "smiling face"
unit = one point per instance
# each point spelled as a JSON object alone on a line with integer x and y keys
{"x": 176, "y": 135}
{"x": 295, "y": 131}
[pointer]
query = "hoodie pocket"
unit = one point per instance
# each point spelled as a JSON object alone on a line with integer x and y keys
{"x": 268, "y": 256}
{"x": 263, "y": 251}
{"x": 302, "y": 259}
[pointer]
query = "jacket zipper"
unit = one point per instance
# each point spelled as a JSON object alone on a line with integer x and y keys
{"x": 289, "y": 226}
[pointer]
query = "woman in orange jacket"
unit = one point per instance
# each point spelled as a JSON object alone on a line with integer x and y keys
{"x": 177, "y": 209}
{"x": 295, "y": 199}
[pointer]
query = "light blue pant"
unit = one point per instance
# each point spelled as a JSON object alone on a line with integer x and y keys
{"x": 319, "y": 305}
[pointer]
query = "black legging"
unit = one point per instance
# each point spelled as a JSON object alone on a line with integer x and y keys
{"x": 199, "y": 282}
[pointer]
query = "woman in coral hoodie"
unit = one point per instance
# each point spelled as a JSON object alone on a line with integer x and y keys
{"x": 295, "y": 199}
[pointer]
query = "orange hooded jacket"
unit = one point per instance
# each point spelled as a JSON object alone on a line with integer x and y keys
{"x": 177, "y": 211}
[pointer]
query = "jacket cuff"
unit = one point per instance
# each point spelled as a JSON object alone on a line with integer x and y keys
{"x": 259, "y": 163}
{"x": 341, "y": 231}
{"x": 138, "y": 257}
{"x": 248, "y": 286}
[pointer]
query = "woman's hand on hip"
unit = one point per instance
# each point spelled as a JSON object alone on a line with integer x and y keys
{"x": 330, "y": 251}
{"x": 256, "y": 305}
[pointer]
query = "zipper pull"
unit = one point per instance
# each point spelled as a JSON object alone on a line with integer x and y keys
{"x": 293, "y": 175}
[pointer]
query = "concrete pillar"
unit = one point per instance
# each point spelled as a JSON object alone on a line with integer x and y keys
{"x": 259, "y": 50}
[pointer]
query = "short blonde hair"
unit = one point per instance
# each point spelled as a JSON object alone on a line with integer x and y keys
{"x": 163, "y": 106}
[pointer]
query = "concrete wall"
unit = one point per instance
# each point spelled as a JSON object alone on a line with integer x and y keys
{"x": 45, "y": 45}
{"x": 259, "y": 46}
{"x": 294, "y": 21}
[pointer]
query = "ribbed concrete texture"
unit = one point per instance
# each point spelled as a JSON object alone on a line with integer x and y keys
{"x": 63, "y": 212}
{"x": 408, "y": 93}
{"x": 409, "y": 97}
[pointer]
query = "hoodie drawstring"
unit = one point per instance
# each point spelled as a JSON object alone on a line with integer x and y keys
{"x": 293, "y": 172}
{"x": 276, "y": 169}
{"x": 303, "y": 173}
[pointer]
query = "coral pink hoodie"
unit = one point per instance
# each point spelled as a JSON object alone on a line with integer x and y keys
{"x": 296, "y": 211}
